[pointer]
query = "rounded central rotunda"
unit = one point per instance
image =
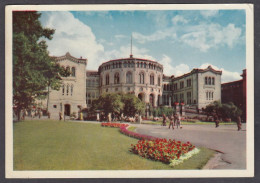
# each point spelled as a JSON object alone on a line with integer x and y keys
{"x": 133, "y": 75}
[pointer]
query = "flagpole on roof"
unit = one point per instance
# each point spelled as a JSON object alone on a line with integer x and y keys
{"x": 131, "y": 49}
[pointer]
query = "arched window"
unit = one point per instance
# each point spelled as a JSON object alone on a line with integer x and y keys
{"x": 159, "y": 81}
{"x": 73, "y": 71}
{"x": 68, "y": 89}
{"x": 116, "y": 78}
{"x": 141, "y": 78}
{"x": 129, "y": 64}
{"x": 209, "y": 80}
{"x": 206, "y": 80}
{"x": 107, "y": 79}
{"x": 63, "y": 89}
{"x": 68, "y": 68}
{"x": 101, "y": 81}
{"x": 144, "y": 65}
{"x": 213, "y": 81}
{"x": 129, "y": 77}
{"x": 164, "y": 87}
{"x": 151, "y": 79}
{"x": 71, "y": 90}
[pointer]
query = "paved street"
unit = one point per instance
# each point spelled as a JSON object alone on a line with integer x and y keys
{"x": 225, "y": 138}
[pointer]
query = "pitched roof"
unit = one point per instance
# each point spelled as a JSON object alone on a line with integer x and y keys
{"x": 71, "y": 58}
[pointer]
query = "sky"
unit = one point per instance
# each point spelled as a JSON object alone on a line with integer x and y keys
{"x": 178, "y": 39}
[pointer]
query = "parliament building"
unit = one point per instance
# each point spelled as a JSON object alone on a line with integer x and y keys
{"x": 144, "y": 78}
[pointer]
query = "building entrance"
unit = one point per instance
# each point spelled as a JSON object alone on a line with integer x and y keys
{"x": 67, "y": 109}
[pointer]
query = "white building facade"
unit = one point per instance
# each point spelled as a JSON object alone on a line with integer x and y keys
{"x": 72, "y": 95}
{"x": 144, "y": 78}
{"x": 198, "y": 88}
{"x": 133, "y": 75}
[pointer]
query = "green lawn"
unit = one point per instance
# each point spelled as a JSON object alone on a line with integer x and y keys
{"x": 54, "y": 145}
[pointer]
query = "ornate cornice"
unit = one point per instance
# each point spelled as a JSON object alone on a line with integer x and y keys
{"x": 67, "y": 56}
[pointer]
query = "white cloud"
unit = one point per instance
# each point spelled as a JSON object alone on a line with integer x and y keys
{"x": 169, "y": 68}
{"x": 78, "y": 39}
{"x": 209, "y": 13}
{"x": 71, "y": 35}
{"x": 205, "y": 36}
{"x": 179, "y": 19}
{"x": 158, "y": 35}
{"x": 227, "y": 76}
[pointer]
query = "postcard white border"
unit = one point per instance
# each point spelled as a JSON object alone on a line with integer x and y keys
{"x": 248, "y": 172}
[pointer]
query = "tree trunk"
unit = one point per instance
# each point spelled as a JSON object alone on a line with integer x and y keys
{"x": 18, "y": 114}
{"x": 48, "y": 98}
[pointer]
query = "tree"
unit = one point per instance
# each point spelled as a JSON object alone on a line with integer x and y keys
{"x": 162, "y": 110}
{"x": 225, "y": 110}
{"x": 118, "y": 103}
{"x": 230, "y": 110}
{"x": 213, "y": 108}
{"x": 132, "y": 105}
{"x": 33, "y": 69}
{"x": 108, "y": 103}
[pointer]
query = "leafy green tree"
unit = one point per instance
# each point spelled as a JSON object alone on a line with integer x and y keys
{"x": 162, "y": 110}
{"x": 213, "y": 108}
{"x": 230, "y": 110}
{"x": 119, "y": 103}
{"x": 33, "y": 69}
{"x": 132, "y": 105}
{"x": 109, "y": 103}
{"x": 226, "y": 110}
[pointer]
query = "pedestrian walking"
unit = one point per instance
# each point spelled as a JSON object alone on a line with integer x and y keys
{"x": 175, "y": 119}
{"x": 23, "y": 114}
{"x": 60, "y": 116}
{"x": 216, "y": 120}
{"x": 178, "y": 124}
{"x": 171, "y": 118}
{"x": 49, "y": 114}
{"x": 238, "y": 123}
{"x": 40, "y": 114}
{"x": 164, "y": 120}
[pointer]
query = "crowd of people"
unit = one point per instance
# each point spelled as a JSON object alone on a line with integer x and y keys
{"x": 175, "y": 120}
{"x": 33, "y": 113}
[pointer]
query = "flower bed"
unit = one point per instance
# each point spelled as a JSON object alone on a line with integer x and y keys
{"x": 161, "y": 149}
{"x": 114, "y": 125}
{"x": 136, "y": 135}
{"x": 167, "y": 151}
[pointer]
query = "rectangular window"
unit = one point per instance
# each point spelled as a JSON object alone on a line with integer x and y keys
{"x": 181, "y": 84}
